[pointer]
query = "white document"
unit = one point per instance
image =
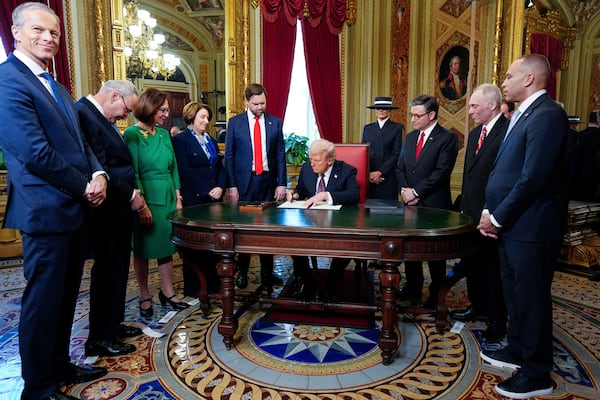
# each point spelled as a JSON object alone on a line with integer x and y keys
{"x": 302, "y": 205}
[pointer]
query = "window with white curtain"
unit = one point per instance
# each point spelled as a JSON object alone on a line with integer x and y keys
{"x": 299, "y": 114}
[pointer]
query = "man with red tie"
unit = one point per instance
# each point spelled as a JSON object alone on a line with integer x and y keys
{"x": 424, "y": 168}
{"x": 255, "y": 163}
{"x": 482, "y": 268}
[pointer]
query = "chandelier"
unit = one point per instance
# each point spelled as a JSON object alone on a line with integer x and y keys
{"x": 143, "y": 51}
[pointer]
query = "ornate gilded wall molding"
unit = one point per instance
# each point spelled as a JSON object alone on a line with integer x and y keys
{"x": 551, "y": 24}
{"x": 69, "y": 34}
{"x": 237, "y": 53}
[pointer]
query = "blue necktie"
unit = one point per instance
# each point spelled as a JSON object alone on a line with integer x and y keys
{"x": 57, "y": 97}
{"x": 513, "y": 121}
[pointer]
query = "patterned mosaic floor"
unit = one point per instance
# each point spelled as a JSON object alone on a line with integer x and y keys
{"x": 285, "y": 361}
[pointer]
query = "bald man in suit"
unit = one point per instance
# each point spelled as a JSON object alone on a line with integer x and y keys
{"x": 526, "y": 210}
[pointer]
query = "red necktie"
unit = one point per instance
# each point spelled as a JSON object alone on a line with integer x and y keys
{"x": 321, "y": 186}
{"x": 258, "y": 161}
{"x": 481, "y": 138}
{"x": 419, "y": 145}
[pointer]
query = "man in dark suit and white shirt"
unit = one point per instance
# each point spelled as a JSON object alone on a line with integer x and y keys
{"x": 339, "y": 186}
{"x": 255, "y": 164}
{"x": 424, "y": 168}
{"x": 53, "y": 177}
{"x": 482, "y": 268}
{"x": 111, "y": 222}
{"x": 526, "y": 210}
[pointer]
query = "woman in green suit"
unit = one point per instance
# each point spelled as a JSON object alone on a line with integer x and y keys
{"x": 157, "y": 178}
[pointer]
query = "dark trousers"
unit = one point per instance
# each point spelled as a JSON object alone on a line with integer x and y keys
{"x": 527, "y": 269}
{"x": 415, "y": 279}
{"x": 111, "y": 244}
{"x": 484, "y": 285}
{"x": 259, "y": 189}
{"x": 52, "y": 265}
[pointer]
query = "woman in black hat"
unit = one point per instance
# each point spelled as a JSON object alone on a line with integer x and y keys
{"x": 385, "y": 137}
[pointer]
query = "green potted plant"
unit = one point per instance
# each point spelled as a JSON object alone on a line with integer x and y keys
{"x": 296, "y": 154}
{"x": 296, "y": 149}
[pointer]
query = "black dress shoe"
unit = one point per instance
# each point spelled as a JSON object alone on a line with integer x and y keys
{"x": 58, "y": 395}
{"x": 126, "y": 331}
{"x": 469, "y": 314}
{"x": 76, "y": 374}
{"x": 109, "y": 348}
{"x": 242, "y": 280}
{"x": 177, "y": 305}
{"x": 494, "y": 333}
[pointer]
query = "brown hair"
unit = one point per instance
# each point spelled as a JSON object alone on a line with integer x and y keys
{"x": 148, "y": 104}
{"x": 254, "y": 89}
{"x": 191, "y": 109}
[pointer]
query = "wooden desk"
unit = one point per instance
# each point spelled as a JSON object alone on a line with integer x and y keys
{"x": 352, "y": 232}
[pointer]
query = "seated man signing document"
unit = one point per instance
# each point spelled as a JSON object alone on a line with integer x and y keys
{"x": 324, "y": 179}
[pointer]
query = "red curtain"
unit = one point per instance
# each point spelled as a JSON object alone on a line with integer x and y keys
{"x": 552, "y": 48}
{"x": 321, "y": 27}
{"x": 61, "y": 61}
{"x": 279, "y": 39}
{"x": 321, "y": 49}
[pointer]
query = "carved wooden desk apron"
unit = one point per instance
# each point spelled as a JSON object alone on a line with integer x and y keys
{"x": 352, "y": 232}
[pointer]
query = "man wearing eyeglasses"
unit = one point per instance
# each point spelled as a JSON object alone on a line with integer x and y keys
{"x": 110, "y": 224}
{"x": 424, "y": 168}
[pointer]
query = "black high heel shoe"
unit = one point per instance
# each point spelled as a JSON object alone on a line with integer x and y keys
{"x": 178, "y": 305}
{"x": 146, "y": 312}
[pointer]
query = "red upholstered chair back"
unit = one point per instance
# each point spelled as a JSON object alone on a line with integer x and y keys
{"x": 356, "y": 155}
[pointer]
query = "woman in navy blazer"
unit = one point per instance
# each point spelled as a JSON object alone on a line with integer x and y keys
{"x": 202, "y": 176}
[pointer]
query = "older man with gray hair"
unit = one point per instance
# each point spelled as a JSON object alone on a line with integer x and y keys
{"x": 111, "y": 223}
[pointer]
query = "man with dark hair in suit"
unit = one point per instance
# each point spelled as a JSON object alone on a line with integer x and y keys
{"x": 424, "y": 168}
{"x": 110, "y": 228}
{"x": 385, "y": 139}
{"x": 526, "y": 210}
{"x": 53, "y": 177}
{"x": 483, "y": 267}
{"x": 323, "y": 179}
{"x": 255, "y": 164}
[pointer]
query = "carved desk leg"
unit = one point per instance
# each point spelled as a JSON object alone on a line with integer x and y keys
{"x": 228, "y": 324}
{"x": 190, "y": 258}
{"x": 441, "y": 312}
{"x": 389, "y": 340}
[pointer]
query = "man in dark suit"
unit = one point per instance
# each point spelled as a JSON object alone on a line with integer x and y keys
{"x": 53, "y": 177}
{"x": 526, "y": 210}
{"x": 482, "y": 268}
{"x": 588, "y": 153}
{"x": 385, "y": 138}
{"x": 338, "y": 186}
{"x": 110, "y": 226}
{"x": 255, "y": 164}
{"x": 424, "y": 168}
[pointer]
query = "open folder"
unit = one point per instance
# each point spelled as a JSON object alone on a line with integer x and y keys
{"x": 302, "y": 204}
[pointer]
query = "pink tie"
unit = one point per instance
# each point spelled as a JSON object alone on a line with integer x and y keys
{"x": 321, "y": 185}
{"x": 419, "y": 145}
{"x": 258, "y": 161}
{"x": 481, "y": 138}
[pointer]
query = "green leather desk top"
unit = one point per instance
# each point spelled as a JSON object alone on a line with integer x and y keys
{"x": 416, "y": 220}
